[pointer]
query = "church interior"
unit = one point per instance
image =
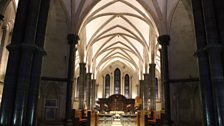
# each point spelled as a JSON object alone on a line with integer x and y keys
{"x": 111, "y": 63}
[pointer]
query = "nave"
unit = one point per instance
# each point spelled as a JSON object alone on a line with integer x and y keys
{"x": 63, "y": 55}
{"x": 117, "y": 110}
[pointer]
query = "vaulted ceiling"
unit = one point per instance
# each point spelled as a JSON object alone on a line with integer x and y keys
{"x": 121, "y": 31}
{"x": 118, "y": 30}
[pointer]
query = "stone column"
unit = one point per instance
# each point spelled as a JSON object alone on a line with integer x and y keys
{"x": 8, "y": 96}
{"x": 36, "y": 65}
{"x": 152, "y": 68}
{"x": 96, "y": 90}
{"x": 93, "y": 93}
{"x": 219, "y": 6}
{"x": 82, "y": 82}
{"x": 72, "y": 41}
{"x": 88, "y": 86}
{"x": 91, "y": 87}
{"x": 161, "y": 81}
{"x": 164, "y": 42}
{"x": 214, "y": 50}
{"x": 204, "y": 74}
{"x": 146, "y": 91}
{"x": 141, "y": 83}
{"x": 27, "y": 47}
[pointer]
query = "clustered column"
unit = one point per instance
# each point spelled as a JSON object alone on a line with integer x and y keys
{"x": 72, "y": 40}
{"x": 152, "y": 68}
{"x": 214, "y": 49}
{"x": 37, "y": 63}
{"x": 141, "y": 82}
{"x": 162, "y": 84}
{"x": 82, "y": 82}
{"x": 146, "y": 91}
{"x": 93, "y": 93}
{"x": 25, "y": 50}
{"x": 210, "y": 54}
{"x": 204, "y": 76}
{"x": 88, "y": 86}
{"x": 164, "y": 42}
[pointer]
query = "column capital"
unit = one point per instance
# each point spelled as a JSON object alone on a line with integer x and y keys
{"x": 152, "y": 65}
{"x": 146, "y": 74}
{"x": 82, "y": 64}
{"x": 1, "y": 17}
{"x": 164, "y": 39}
{"x": 89, "y": 73}
{"x": 73, "y": 38}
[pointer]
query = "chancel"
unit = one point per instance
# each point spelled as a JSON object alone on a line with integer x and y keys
{"x": 111, "y": 63}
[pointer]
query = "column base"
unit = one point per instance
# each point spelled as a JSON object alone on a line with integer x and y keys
{"x": 68, "y": 122}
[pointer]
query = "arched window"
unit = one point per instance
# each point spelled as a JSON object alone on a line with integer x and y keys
{"x": 107, "y": 85}
{"x": 126, "y": 85}
{"x": 117, "y": 81}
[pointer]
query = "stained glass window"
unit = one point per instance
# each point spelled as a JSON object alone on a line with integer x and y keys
{"x": 117, "y": 81}
{"x": 126, "y": 86}
{"x": 107, "y": 85}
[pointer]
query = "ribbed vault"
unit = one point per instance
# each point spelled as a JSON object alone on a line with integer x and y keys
{"x": 118, "y": 30}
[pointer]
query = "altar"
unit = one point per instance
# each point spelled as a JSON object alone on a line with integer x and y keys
{"x": 117, "y": 118}
{"x": 116, "y": 103}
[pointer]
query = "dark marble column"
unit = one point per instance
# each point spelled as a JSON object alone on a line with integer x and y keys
{"x": 9, "y": 90}
{"x": 93, "y": 93}
{"x": 204, "y": 72}
{"x": 82, "y": 82}
{"x": 164, "y": 42}
{"x": 146, "y": 91}
{"x": 141, "y": 83}
{"x": 91, "y": 90}
{"x": 28, "y": 47}
{"x": 152, "y": 68}
{"x": 36, "y": 65}
{"x": 72, "y": 41}
{"x": 219, "y": 6}
{"x": 88, "y": 86}
{"x": 161, "y": 81}
{"x": 214, "y": 49}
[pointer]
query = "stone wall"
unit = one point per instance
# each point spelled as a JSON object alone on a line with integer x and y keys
{"x": 133, "y": 77}
{"x": 52, "y": 101}
{"x": 186, "y": 108}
